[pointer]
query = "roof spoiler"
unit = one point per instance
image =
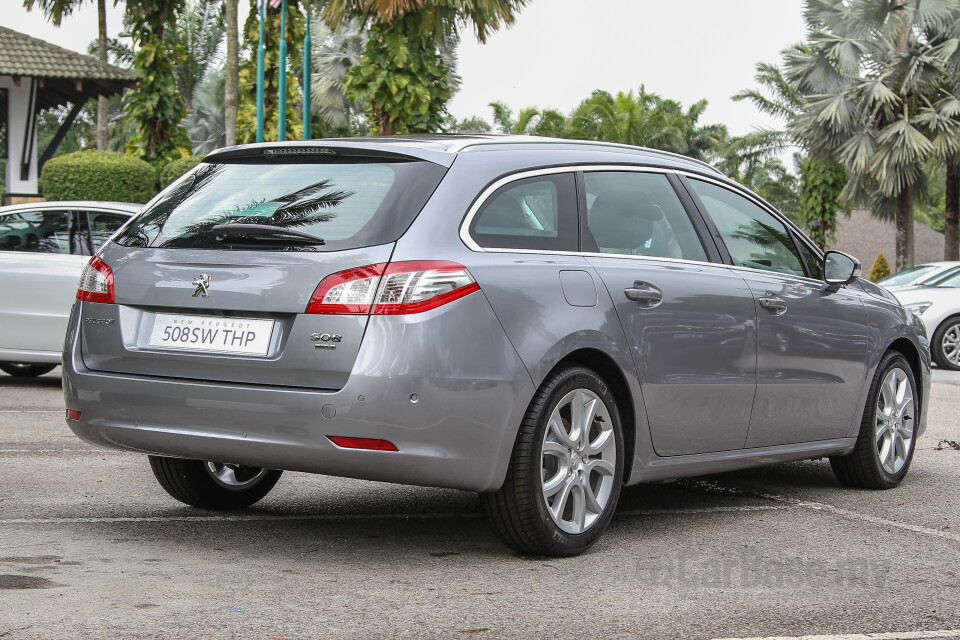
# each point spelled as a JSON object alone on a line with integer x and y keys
{"x": 329, "y": 150}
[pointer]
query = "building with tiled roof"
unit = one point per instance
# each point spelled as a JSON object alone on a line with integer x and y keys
{"x": 35, "y": 75}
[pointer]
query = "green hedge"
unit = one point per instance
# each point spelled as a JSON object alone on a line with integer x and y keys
{"x": 177, "y": 168}
{"x": 98, "y": 175}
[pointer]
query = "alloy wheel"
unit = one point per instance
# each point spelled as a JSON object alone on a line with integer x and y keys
{"x": 234, "y": 476}
{"x": 578, "y": 461}
{"x": 950, "y": 344}
{"x": 893, "y": 431}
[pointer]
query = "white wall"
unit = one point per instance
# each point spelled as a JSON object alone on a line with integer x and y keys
{"x": 18, "y": 99}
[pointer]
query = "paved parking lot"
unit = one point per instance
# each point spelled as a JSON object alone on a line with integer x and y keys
{"x": 90, "y": 546}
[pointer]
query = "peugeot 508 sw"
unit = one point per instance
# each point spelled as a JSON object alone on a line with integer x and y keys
{"x": 541, "y": 321}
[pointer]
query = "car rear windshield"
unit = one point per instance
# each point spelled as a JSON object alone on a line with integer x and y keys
{"x": 347, "y": 204}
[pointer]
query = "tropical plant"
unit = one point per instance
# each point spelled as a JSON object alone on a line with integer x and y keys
{"x": 821, "y": 180}
{"x": 206, "y": 120}
{"x": 530, "y": 121}
{"x": 247, "y": 111}
{"x": 473, "y": 124}
{"x": 155, "y": 106}
{"x": 333, "y": 53}
{"x": 644, "y": 119}
{"x": 199, "y": 30}
{"x": 878, "y": 100}
{"x": 403, "y": 76}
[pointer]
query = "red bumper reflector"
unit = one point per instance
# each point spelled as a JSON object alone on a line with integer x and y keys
{"x": 362, "y": 443}
{"x": 73, "y": 414}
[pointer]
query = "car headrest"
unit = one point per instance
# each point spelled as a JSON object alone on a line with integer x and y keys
{"x": 504, "y": 212}
{"x": 622, "y": 220}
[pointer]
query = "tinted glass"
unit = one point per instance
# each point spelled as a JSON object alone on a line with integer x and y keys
{"x": 347, "y": 204}
{"x": 950, "y": 280}
{"x": 639, "y": 214}
{"x": 534, "y": 213}
{"x": 102, "y": 226}
{"x": 907, "y": 276}
{"x": 812, "y": 260}
{"x": 35, "y": 232}
{"x": 942, "y": 278}
{"x": 753, "y": 237}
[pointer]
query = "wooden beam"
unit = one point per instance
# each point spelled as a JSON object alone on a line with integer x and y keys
{"x": 59, "y": 135}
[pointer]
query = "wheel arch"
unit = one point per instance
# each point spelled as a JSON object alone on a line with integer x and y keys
{"x": 613, "y": 375}
{"x": 906, "y": 348}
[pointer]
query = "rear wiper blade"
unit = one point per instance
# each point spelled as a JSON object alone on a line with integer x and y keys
{"x": 264, "y": 231}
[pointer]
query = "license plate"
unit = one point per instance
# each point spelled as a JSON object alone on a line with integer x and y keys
{"x": 213, "y": 335}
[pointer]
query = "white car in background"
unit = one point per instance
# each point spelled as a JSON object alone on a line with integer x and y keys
{"x": 920, "y": 274}
{"x": 937, "y": 303}
{"x": 43, "y": 248}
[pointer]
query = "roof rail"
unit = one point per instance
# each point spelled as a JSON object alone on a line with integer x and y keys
{"x": 545, "y": 141}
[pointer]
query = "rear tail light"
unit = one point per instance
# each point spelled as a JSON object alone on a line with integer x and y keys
{"x": 347, "y": 292}
{"x": 395, "y": 289}
{"x": 96, "y": 282}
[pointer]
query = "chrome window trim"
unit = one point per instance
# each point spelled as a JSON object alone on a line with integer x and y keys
{"x": 513, "y": 177}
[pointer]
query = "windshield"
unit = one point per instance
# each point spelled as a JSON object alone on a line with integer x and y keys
{"x": 907, "y": 276}
{"x": 347, "y": 204}
{"x": 949, "y": 279}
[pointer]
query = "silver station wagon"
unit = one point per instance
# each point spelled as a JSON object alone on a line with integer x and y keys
{"x": 540, "y": 321}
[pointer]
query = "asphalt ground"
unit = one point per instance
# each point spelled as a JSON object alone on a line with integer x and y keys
{"x": 91, "y": 547}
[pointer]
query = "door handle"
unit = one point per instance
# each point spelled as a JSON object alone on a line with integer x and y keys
{"x": 644, "y": 293}
{"x": 772, "y": 302}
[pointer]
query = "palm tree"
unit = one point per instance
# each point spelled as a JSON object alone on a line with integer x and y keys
{"x": 333, "y": 52}
{"x": 645, "y": 119}
{"x": 55, "y": 11}
{"x": 877, "y": 100}
{"x": 820, "y": 180}
{"x": 206, "y": 119}
{"x": 231, "y": 99}
{"x": 200, "y": 31}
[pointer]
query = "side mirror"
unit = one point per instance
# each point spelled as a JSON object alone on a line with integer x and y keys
{"x": 840, "y": 268}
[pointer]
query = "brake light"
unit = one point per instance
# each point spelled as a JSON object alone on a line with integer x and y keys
{"x": 395, "y": 289}
{"x": 96, "y": 282}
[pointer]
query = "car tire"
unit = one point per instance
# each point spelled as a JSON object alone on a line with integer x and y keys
{"x": 945, "y": 346}
{"x": 557, "y": 467}
{"x": 887, "y": 438}
{"x": 25, "y": 370}
{"x": 213, "y": 485}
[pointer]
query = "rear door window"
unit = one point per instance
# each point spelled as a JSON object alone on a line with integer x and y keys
{"x": 539, "y": 214}
{"x": 349, "y": 204}
{"x": 631, "y": 213}
{"x": 102, "y": 225}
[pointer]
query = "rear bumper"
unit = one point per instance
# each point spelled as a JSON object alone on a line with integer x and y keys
{"x": 471, "y": 390}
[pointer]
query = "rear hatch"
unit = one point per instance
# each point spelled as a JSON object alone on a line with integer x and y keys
{"x": 214, "y": 279}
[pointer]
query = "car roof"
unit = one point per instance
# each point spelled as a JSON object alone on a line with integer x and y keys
{"x": 442, "y": 148}
{"x": 127, "y": 207}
